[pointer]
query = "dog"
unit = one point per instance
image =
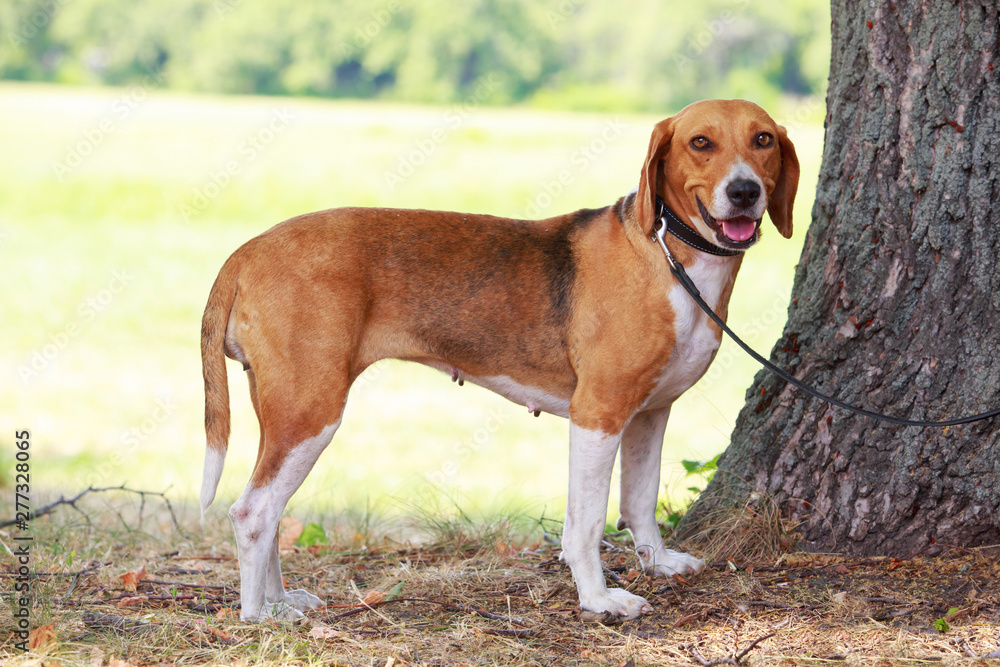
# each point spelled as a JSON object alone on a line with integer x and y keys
{"x": 576, "y": 315}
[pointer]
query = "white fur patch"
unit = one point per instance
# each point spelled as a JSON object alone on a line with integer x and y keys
{"x": 721, "y": 208}
{"x": 215, "y": 459}
{"x": 531, "y": 397}
{"x": 696, "y": 342}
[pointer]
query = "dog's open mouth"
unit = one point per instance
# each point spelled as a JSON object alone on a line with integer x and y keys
{"x": 737, "y": 232}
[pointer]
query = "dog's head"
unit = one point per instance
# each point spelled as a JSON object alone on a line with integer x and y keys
{"x": 719, "y": 164}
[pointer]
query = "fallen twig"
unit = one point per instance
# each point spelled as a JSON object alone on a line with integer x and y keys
{"x": 98, "y": 621}
{"x": 731, "y": 660}
{"x": 183, "y": 585}
{"x": 48, "y": 509}
{"x": 504, "y": 632}
{"x": 447, "y": 605}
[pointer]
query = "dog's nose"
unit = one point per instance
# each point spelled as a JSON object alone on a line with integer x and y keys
{"x": 743, "y": 193}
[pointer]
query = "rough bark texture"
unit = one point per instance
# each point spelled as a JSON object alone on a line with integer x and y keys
{"x": 896, "y": 301}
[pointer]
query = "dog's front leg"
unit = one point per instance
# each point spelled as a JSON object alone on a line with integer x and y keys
{"x": 642, "y": 443}
{"x": 591, "y": 459}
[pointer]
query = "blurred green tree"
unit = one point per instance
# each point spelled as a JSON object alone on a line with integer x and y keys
{"x": 642, "y": 54}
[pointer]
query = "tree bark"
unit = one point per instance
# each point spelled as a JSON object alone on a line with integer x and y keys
{"x": 896, "y": 300}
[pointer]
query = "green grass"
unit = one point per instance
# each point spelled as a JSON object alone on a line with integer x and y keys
{"x": 117, "y": 396}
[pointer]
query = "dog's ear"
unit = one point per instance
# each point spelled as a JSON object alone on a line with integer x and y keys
{"x": 782, "y": 198}
{"x": 651, "y": 180}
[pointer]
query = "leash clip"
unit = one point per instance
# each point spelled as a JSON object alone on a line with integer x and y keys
{"x": 659, "y": 231}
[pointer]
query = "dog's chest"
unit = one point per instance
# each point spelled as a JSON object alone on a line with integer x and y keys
{"x": 696, "y": 342}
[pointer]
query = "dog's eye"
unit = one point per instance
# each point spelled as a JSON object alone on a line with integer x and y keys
{"x": 700, "y": 143}
{"x": 764, "y": 139}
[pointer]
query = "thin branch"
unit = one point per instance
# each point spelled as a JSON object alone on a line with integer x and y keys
{"x": 447, "y": 605}
{"x": 742, "y": 654}
{"x": 48, "y": 509}
{"x": 731, "y": 660}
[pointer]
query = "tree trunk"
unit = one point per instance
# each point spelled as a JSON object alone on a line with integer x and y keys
{"x": 896, "y": 300}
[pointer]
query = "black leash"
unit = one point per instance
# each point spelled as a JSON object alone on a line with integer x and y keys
{"x": 663, "y": 225}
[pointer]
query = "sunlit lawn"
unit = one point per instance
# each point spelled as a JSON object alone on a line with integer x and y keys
{"x": 117, "y": 208}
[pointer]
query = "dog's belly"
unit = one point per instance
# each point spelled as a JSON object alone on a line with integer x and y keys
{"x": 533, "y": 398}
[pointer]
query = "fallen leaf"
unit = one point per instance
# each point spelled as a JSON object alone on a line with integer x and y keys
{"x": 633, "y": 575}
{"x": 51, "y": 663}
{"x": 840, "y": 598}
{"x": 289, "y": 530}
{"x": 130, "y": 580}
{"x": 131, "y": 601}
{"x": 42, "y": 637}
{"x": 96, "y": 657}
{"x": 324, "y": 632}
{"x": 311, "y": 535}
{"x": 395, "y": 591}
{"x": 373, "y": 597}
{"x": 227, "y": 612}
{"x": 115, "y": 662}
{"x": 221, "y": 634}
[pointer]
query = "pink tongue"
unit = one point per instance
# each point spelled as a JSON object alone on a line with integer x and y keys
{"x": 739, "y": 229}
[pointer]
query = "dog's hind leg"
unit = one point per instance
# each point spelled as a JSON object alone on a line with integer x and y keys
{"x": 284, "y": 460}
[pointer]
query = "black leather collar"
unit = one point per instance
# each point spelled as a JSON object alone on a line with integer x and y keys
{"x": 689, "y": 235}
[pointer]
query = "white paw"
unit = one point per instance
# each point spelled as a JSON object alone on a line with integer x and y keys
{"x": 280, "y": 611}
{"x": 617, "y": 602}
{"x": 288, "y": 608}
{"x": 302, "y": 600}
{"x": 667, "y": 563}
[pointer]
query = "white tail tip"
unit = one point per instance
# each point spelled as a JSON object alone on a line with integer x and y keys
{"x": 215, "y": 459}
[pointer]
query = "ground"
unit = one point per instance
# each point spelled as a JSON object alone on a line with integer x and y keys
{"x": 482, "y": 596}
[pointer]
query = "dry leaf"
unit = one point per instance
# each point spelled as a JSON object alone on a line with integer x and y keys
{"x": 324, "y": 632}
{"x": 227, "y": 612}
{"x": 131, "y": 601}
{"x": 373, "y": 597}
{"x": 42, "y": 637}
{"x": 289, "y": 530}
{"x": 96, "y": 657}
{"x": 130, "y": 580}
{"x": 221, "y": 634}
{"x": 51, "y": 663}
{"x": 115, "y": 662}
{"x": 633, "y": 575}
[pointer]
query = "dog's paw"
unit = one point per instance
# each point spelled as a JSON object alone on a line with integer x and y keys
{"x": 667, "y": 563}
{"x": 302, "y": 600}
{"x": 279, "y": 611}
{"x": 614, "y": 602}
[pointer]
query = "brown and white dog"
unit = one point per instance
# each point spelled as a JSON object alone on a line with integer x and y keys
{"x": 577, "y": 315}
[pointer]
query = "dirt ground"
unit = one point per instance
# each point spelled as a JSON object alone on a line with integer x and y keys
{"x": 143, "y": 600}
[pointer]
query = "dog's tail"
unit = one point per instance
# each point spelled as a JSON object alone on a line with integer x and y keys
{"x": 213, "y": 367}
